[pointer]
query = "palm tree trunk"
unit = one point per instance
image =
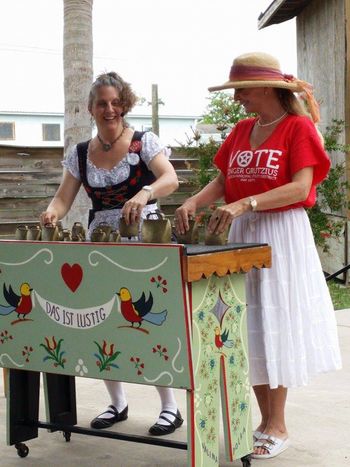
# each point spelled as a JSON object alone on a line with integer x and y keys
{"x": 78, "y": 75}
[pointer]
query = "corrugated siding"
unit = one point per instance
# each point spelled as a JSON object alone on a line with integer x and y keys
{"x": 321, "y": 55}
{"x": 280, "y": 11}
{"x": 321, "y": 45}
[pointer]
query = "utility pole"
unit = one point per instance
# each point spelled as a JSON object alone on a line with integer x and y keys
{"x": 155, "y": 105}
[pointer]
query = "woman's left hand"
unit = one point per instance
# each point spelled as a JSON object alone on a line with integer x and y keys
{"x": 224, "y": 215}
{"x": 132, "y": 209}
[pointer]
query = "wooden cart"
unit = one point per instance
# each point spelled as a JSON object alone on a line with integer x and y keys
{"x": 65, "y": 311}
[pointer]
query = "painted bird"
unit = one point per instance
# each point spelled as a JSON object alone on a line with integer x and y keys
{"x": 222, "y": 340}
{"x": 140, "y": 310}
{"x": 22, "y": 304}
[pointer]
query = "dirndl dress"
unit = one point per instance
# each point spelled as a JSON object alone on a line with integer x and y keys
{"x": 292, "y": 332}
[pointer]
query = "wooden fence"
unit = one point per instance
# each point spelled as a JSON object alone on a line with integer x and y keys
{"x": 29, "y": 177}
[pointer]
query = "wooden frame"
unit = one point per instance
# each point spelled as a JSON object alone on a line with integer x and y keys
{"x": 196, "y": 338}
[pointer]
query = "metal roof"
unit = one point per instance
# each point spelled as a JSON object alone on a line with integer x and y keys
{"x": 281, "y": 10}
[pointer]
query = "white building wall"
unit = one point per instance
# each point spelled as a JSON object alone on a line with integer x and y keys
{"x": 28, "y": 128}
{"x": 173, "y": 130}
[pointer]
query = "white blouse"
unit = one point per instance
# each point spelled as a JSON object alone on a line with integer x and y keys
{"x": 99, "y": 177}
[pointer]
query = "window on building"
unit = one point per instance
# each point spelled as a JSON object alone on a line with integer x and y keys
{"x": 51, "y": 132}
{"x": 7, "y": 130}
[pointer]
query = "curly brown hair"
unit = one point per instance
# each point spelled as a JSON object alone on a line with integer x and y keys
{"x": 126, "y": 95}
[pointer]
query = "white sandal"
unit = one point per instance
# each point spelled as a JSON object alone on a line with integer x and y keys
{"x": 272, "y": 445}
{"x": 256, "y": 435}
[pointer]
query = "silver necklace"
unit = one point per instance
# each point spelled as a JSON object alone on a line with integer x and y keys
{"x": 271, "y": 123}
{"x": 108, "y": 146}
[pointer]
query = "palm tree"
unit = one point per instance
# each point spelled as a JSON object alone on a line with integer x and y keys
{"x": 78, "y": 75}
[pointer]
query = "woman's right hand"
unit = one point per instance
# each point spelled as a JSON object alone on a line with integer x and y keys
{"x": 182, "y": 214}
{"x": 62, "y": 201}
{"x": 48, "y": 217}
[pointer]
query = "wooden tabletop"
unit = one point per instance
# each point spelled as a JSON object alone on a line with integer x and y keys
{"x": 202, "y": 262}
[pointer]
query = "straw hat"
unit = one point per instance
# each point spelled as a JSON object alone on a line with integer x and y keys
{"x": 259, "y": 69}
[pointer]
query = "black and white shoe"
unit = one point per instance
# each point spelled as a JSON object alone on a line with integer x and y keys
{"x": 100, "y": 422}
{"x": 159, "y": 430}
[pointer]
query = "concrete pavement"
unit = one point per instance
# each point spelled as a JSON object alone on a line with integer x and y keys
{"x": 318, "y": 417}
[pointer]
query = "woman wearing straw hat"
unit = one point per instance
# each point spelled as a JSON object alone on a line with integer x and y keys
{"x": 269, "y": 168}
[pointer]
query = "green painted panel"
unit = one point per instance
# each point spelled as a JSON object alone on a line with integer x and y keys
{"x": 220, "y": 369}
{"x": 74, "y": 322}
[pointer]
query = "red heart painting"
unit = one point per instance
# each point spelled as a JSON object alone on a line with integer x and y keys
{"x": 72, "y": 275}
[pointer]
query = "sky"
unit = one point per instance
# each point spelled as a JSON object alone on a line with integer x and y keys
{"x": 183, "y": 46}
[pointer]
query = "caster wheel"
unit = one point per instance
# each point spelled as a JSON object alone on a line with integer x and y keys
{"x": 246, "y": 461}
{"x": 67, "y": 435}
{"x": 22, "y": 449}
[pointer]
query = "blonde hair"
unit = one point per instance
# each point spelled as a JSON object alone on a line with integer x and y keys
{"x": 290, "y": 102}
{"x": 294, "y": 106}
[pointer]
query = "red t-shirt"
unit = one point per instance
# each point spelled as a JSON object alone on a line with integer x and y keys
{"x": 293, "y": 145}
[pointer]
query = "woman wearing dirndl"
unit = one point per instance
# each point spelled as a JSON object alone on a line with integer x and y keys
{"x": 269, "y": 168}
{"x": 123, "y": 172}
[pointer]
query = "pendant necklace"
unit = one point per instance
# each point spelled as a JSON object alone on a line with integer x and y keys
{"x": 271, "y": 123}
{"x": 108, "y": 146}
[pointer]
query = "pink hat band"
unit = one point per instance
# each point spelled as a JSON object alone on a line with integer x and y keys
{"x": 242, "y": 73}
{"x": 258, "y": 73}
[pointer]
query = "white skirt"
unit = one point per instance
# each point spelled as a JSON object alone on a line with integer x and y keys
{"x": 292, "y": 333}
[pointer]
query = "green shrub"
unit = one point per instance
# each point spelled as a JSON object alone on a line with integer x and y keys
{"x": 331, "y": 193}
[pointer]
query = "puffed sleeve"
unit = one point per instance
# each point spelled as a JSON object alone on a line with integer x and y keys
{"x": 71, "y": 163}
{"x": 151, "y": 146}
{"x": 306, "y": 150}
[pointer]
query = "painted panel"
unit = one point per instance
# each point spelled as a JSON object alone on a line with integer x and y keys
{"x": 220, "y": 369}
{"x": 95, "y": 310}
